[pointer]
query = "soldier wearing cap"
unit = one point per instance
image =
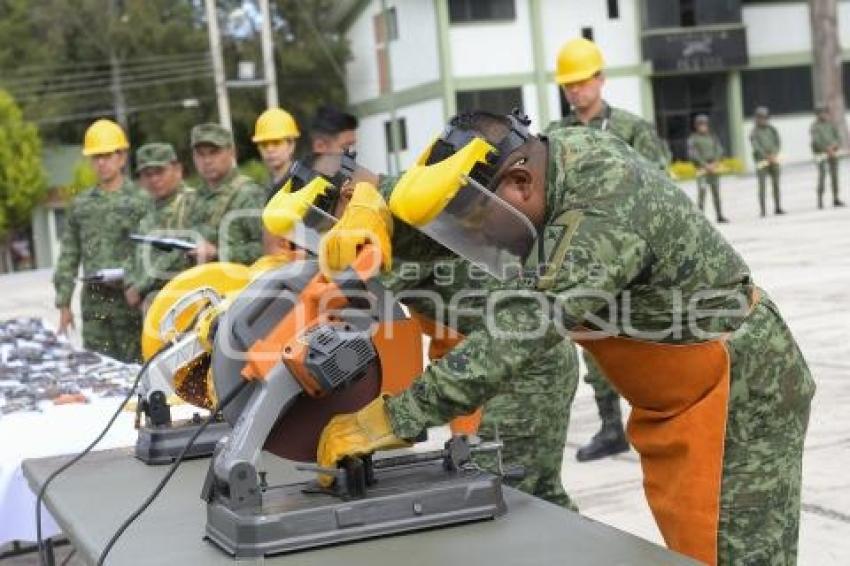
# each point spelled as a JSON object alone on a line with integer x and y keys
{"x": 705, "y": 150}
{"x": 228, "y": 205}
{"x": 161, "y": 174}
{"x": 99, "y": 222}
{"x": 766, "y": 145}
{"x": 826, "y": 143}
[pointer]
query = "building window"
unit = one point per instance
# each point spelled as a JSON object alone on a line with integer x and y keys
{"x": 785, "y": 90}
{"x": 467, "y": 11}
{"x": 385, "y": 28}
{"x": 496, "y": 100}
{"x": 587, "y": 33}
{"x": 687, "y": 13}
{"x": 401, "y": 142}
{"x": 659, "y": 14}
{"x": 613, "y": 9}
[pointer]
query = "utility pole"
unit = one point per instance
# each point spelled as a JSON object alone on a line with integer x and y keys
{"x": 269, "y": 74}
{"x": 218, "y": 65}
{"x": 826, "y": 72}
{"x": 118, "y": 100}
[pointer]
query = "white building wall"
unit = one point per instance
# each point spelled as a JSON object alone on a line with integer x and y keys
{"x": 531, "y": 107}
{"x": 618, "y": 38}
{"x": 424, "y": 121}
{"x": 362, "y": 70}
{"x": 415, "y": 55}
{"x": 780, "y": 28}
{"x": 624, "y": 92}
{"x": 493, "y": 48}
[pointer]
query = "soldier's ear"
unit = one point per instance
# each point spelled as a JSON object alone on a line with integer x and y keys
{"x": 521, "y": 181}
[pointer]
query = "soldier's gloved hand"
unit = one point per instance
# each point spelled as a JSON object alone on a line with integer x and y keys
{"x": 367, "y": 220}
{"x": 356, "y": 434}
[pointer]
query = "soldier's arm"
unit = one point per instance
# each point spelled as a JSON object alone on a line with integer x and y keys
{"x": 649, "y": 145}
{"x": 242, "y": 240}
{"x": 778, "y": 138}
{"x": 758, "y": 148}
{"x": 602, "y": 259}
{"x": 68, "y": 264}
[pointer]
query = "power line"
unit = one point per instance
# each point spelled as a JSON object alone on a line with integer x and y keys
{"x": 106, "y": 80}
{"x": 111, "y": 111}
{"x": 101, "y": 74}
{"x": 169, "y": 79}
{"x": 105, "y": 62}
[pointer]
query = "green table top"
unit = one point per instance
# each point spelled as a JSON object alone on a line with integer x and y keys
{"x": 91, "y": 499}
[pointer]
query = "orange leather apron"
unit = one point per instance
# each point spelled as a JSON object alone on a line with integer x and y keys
{"x": 444, "y": 339}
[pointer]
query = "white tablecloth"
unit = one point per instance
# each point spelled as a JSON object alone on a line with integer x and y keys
{"x": 57, "y": 430}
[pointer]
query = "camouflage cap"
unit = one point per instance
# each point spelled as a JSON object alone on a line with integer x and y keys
{"x": 213, "y": 134}
{"x": 701, "y": 119}
{"x": 762, "y": 111}
{"x": 155, "y": 155}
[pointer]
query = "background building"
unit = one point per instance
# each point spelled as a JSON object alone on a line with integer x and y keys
{"x": 668, "y": 60}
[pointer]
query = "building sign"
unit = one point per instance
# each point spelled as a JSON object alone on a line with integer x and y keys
{"x": 690, "y": 50}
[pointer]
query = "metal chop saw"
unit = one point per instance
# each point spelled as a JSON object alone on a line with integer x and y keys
{"x": 312, "y": 348}
{"x": 178, "y": 359}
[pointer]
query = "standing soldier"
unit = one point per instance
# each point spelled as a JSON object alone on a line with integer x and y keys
{"x": 228, "y": 204}
{"x": 825, "y": 145}
{"x": 96, "y": 236}
{"x": 275, "y": 133}
{"x": 766, "y": 145}
{"x": 580, "y": 73}
{"x": 161, "y": 174}
{"x": 705, "y": 150}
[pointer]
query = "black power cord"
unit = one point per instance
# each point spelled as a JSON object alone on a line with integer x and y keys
{"x": 158, "y": 489}
{"x": 41, "y": 492}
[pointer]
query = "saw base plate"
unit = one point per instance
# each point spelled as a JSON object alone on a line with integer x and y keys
{"x": 403, "y": 499}
{"x": 162, "y": 444}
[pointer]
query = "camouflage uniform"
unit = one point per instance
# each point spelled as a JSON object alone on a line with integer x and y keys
{"x": 633, "y": 130}
{"x": 641, "y": 136}
{"x": 766, "y": 143}
{"x": 169, "y": 216}
{"x": 533, "y": 439}
{"x": 635, "y": 235}
{"x": 243, "y": 241}
{"x": 96, "y": 235}
{"x": 824, "y": 136}
{"x": 702, "y": 150}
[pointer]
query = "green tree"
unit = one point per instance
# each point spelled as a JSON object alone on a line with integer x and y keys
{"x": 55, "y": 59}
{"x": 23, "y": 182}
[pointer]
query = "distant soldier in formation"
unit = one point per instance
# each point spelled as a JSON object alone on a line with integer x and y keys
{"x": 826, "y": 144}
{"x": 766, "y": 145}
{"x": 706, "y": 151}
{"x": 228, "y": 204}
{"x": 161, "y": 174}
{"x": 99, "y": 222}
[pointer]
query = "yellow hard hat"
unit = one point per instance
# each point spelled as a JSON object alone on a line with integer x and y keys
{"x": 104, "y": 136}
{"x": 578, "y": 60}
{"x": 275, "y": 124}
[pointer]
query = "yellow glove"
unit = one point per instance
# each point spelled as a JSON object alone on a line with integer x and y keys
{"x": 356, "y": 434}
{"x": 366, "y": 220}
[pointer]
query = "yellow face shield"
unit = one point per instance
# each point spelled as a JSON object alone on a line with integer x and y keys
{"x": 424, "y": 190}
{"x": 293, "y": 215}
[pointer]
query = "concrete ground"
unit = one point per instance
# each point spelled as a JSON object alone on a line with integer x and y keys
{"x": 803, "y": 261}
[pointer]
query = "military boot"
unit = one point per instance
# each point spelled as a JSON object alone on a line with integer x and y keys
{"x": 611, "y": 438}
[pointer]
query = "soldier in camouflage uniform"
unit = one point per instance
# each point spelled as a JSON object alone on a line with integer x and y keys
{"x": 706, "y": 151}
{"x": 580, "y": 73}
{"x": 161, "y": 174}
{"x": 96, "y": 236}
{"x": 532, "y": 412}
{"x": 701, "y": 348}
{"x": 228, "y": 205}
{"x": 825, "y": 145}
{"x": 766, "y": 145}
